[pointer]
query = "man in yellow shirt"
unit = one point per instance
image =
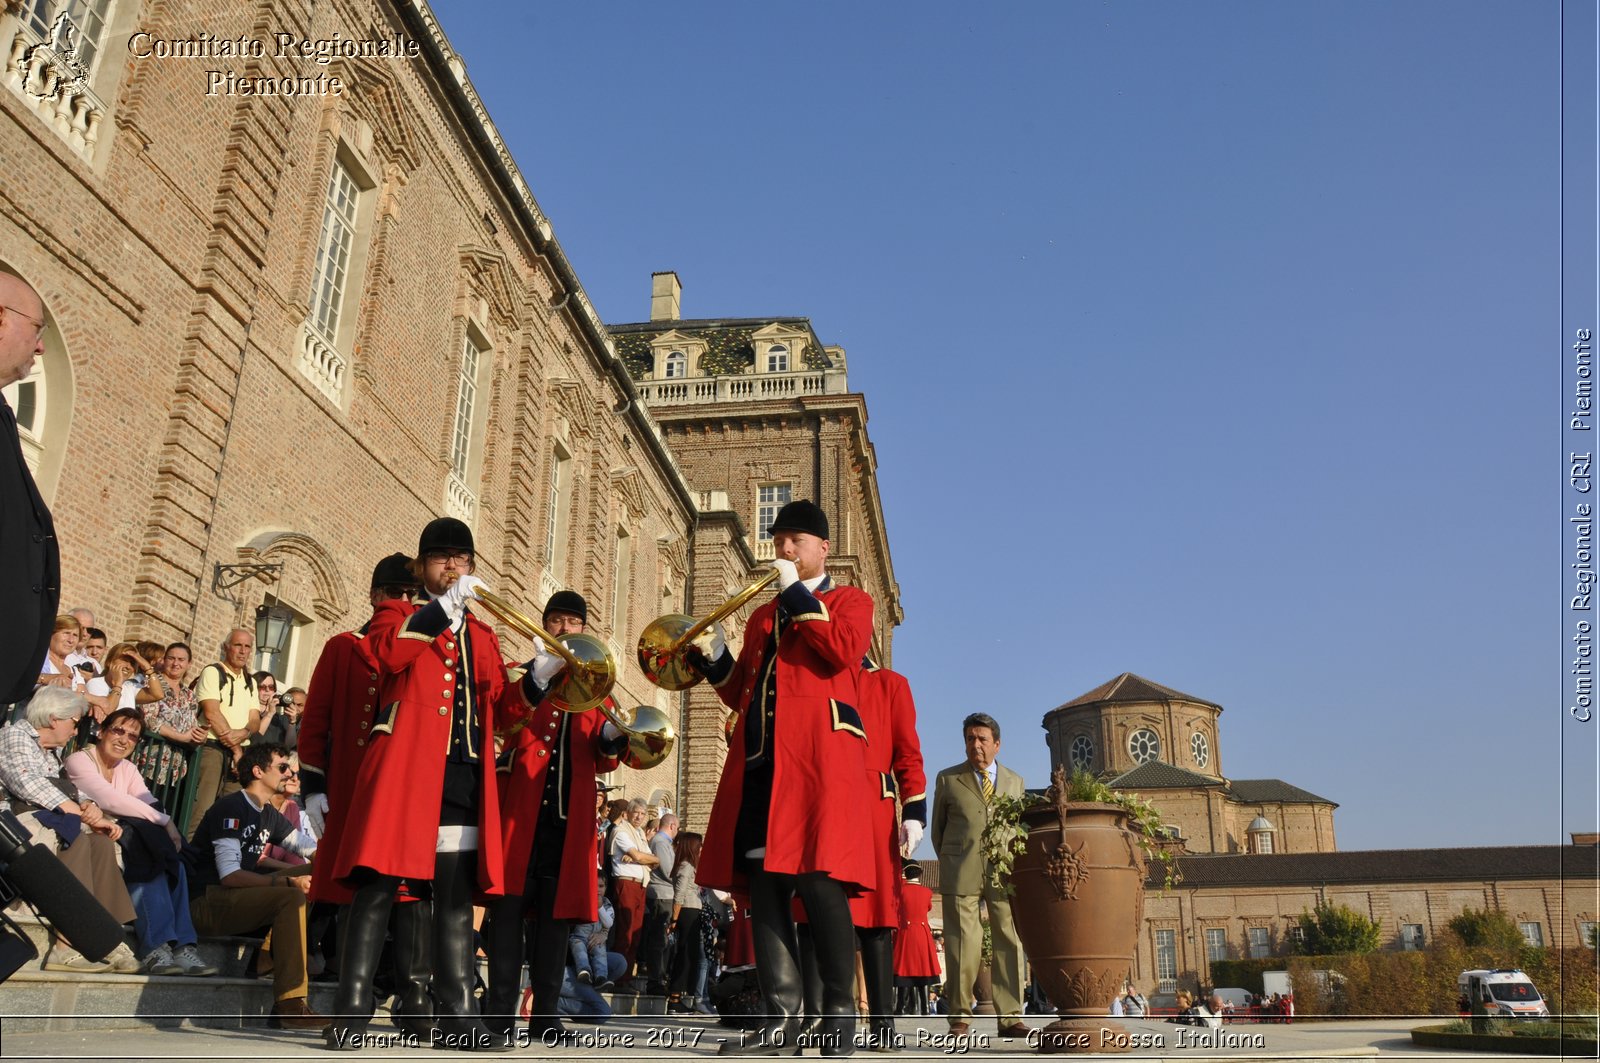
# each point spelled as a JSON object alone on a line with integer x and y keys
{"x": 231, "y": 709}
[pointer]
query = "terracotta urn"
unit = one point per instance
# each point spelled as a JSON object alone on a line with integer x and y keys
{"x": 1078, "y": 906}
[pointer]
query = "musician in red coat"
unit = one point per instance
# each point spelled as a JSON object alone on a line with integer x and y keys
{"x": 799, "y": 734}
{"x": 428, "y": 781}
{"x": 916, "y": 957}
{"x": 334, "y": 733}
{"x": 548, "y": 829}
{"x": 894, "y": 765}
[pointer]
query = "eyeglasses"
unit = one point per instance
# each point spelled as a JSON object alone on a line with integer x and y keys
{"x": 445, "y": 557}
{"x": 284, "y": 769}
{"x": 124, "y": 732}
{"x": 38, "y": 323}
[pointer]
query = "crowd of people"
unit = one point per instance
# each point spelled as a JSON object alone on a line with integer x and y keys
{"x": 477, "y": 837}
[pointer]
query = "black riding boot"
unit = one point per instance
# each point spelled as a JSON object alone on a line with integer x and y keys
{"x": 412, "y": 1011}
{"x": 877, "y": 964}
{"x": 777, "y": 969}
{"x": 503, "y": 943}
{"x": 455, "y": 876}
{"x": 833, "y": 935}
{"x": 547, "y": 962}
{"x": 811, "y": 983}
{"x": 361, "y": 937}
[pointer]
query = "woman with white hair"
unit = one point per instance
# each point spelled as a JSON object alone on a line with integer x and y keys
{"x": 31, "y": 779}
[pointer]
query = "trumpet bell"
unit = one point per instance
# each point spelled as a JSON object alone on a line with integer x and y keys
{"x": 651, "y": 735}
{"x": 663, "y": 664}
{"x": 582, "y": 686}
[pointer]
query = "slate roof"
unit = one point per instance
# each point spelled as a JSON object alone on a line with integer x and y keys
{"x": 1159, "y": 775}
{"x": 1259, "y": 791}
{"x": 729, "y": 345}
{"x": 1572, "y": 862}
{"x": 1130, "y": 687}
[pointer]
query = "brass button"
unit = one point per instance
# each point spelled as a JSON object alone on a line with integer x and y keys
{"x": 444, "y": 710}
{"x": 374, "y": 676}
{"x": 541, "y": 752}
{"x": 365, "y": 725}
{"x": 361, "y": 741}
{"x": 367, "y": 707}
{"x": 372, "y": 690}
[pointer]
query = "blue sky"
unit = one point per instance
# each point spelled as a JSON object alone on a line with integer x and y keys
{"x": 1214, "y": 342}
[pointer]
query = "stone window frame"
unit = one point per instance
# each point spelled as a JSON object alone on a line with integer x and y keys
{"x": 675, "y": 366}
{"x": 763, "y": 522}
{"x": 469, "y": 413}
{"x": 1412, "y": 937}
{"x": 325, "y": 355}
{"x": 1151, "y": 745}
{"x": 621, "y": 582}
{"x": 1086, "y": 761}
{"x": 558, "y": 512}
{"x": 1200, "y": 749}
{"x": 1211, "y": 942}
{"x": 1532, "y": 932}
{"x": 1252, "y": 943}
{"x": 779, "y": 352}
{"x": 44, "y": 438}
{"x": 72, "y": 98}
{"x": 1166, "y": 974}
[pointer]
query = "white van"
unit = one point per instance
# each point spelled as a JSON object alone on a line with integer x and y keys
{"x": 1505, "y": 991}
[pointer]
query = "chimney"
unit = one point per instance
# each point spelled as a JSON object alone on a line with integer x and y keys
{"x": 665, "y": 292}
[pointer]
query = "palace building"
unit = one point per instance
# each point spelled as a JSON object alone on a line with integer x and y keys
{"x": 286, "y": 330}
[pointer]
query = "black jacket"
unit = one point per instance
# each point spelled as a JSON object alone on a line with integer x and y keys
{"x": 30, "y": 578}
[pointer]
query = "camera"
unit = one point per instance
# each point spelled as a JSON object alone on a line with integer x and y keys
{"x": 285, "y": 701}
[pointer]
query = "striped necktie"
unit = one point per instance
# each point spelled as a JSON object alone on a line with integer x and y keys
{"x": 986, "y": 786}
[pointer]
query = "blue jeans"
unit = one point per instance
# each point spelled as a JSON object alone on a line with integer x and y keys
{"x": 161, "y": 912}
{"x": 580, "y": 1001}
{"x": 585, "y": 958}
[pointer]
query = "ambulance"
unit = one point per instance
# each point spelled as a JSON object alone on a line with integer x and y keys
{"x": 1505, "y": 992}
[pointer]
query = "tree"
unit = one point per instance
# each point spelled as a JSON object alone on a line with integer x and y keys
{"x": 1329, "y": 929}
{"x": 1486, "y": 928}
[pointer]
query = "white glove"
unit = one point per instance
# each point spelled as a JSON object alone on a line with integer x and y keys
{"x": 610, "y": 732}
{"x": 910, "y": 837}
{"x": 788, "y": 574}
{"x": 710, "y": 643}
{"x": 316, "y": 807}
{"x": 544, "y": 664}
{"x": 458, "y": 594}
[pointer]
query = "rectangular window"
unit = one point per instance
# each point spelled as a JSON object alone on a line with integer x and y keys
{"x": 1411, "y": 936}
{"x": 777, "y": 359}
{"x": 1260, "y": 942}
{"x": 1297, "y": 934}
{"x": 88, "y": 18}
{"x": 466, "y": 398}
{"x": 769, "y": 500}
{"x": 1586, "y": 929}
{"x": 333, "y": 252}
{"x": 1216, "y": 944}
{"x": 1532, "y": 933}
{"x": 556, "y": 520}
{"x": 1166, "y": 956}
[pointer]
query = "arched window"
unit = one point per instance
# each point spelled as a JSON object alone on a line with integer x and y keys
{"x": 677, "y": 365}
{"x": 777, "y": 358}
{"x": 42, "y": 403}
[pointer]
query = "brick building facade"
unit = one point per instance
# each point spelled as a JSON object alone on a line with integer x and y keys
{"x": 288, "y": 328}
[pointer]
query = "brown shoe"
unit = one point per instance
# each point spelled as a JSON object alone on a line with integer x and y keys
{"x": 960, "y": 1029}
{"x": 1016, "y": 1029}
{"x": 293, "y": 1013}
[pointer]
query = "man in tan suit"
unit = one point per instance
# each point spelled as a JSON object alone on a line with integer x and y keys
{"x": 961, "y": 798}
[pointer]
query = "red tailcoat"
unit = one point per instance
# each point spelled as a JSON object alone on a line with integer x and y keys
{"x": 894, "y": 768}
{"x": 915, "y": 954}
{"x": 401, "y": 781}
{"x": 818, "y": 747}
{"x": 334, "y": 733}
{"x": 578, "y": 887}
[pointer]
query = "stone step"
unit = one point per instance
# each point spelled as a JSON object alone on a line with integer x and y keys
{"x": 230, "y": 954}
{"x": 34, "y": 1001}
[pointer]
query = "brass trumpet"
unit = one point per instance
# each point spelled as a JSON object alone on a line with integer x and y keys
{"x": 663, "y": 645}
{"x": 586, "y": 682}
